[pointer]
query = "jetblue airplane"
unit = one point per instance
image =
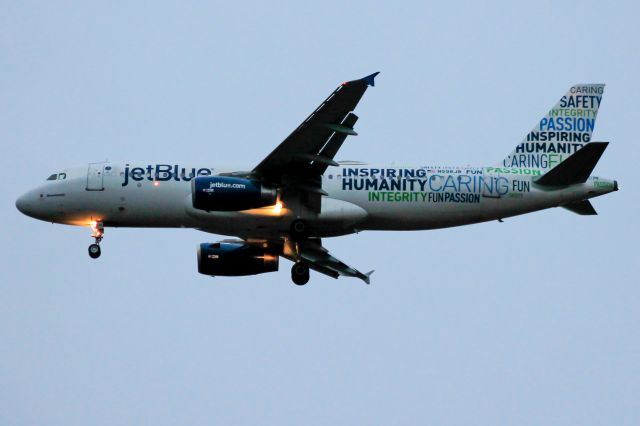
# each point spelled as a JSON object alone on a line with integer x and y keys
{"x": 298, "y": 194}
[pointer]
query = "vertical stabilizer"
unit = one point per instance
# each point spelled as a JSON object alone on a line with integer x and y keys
{"x": 565, "y": 129}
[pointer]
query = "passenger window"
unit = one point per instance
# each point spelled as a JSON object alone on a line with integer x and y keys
{"x": 62, "y": 176}
{"x": 53, "y": 177}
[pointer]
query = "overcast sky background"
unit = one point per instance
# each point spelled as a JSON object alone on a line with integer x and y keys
{"x": 531, "y": 321}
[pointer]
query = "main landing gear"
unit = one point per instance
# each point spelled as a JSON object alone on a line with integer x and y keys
{"x": 300, "y": 270}
{"x": 97, "y": 229}
{"x": 300, "y": 273}
{"x": 298, "y": 230}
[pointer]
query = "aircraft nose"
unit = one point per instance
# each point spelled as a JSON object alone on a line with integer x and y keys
{"x": 24, "y": 204}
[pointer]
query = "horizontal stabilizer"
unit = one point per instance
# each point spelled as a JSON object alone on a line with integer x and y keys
{"x": 575, "y": 169}
{"x": 584, "y": 208}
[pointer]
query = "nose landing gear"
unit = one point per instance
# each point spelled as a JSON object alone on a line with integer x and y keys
{"x": 94, "y": 251}
{"x": 97, "y": 229}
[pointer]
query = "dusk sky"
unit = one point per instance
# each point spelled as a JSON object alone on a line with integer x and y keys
{"x": 533, "y": 321}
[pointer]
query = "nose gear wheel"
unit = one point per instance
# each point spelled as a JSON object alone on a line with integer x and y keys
{"x": 97, "y": 232}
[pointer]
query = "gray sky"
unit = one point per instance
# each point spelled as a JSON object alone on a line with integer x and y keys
{"x": 532, "y": 321}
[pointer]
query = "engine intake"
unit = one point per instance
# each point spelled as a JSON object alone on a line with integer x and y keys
{"x": 225, "y": 193}
{"x": 235, "y": 259}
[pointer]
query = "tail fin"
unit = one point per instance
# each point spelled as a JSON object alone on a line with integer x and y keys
{"x": 565, "y": 129}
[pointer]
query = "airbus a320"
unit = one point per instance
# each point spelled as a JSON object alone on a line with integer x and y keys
{"x": 299, "y": 195}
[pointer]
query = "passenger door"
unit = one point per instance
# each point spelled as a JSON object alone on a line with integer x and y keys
{"x": 95, "y": 177}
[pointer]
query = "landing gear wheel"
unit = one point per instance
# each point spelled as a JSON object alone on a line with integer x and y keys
{"x": 298, "y": 229}
{"x": 300, "y": 273}
{"x": 94, "y": 251}
{"x": 97, "y": 233}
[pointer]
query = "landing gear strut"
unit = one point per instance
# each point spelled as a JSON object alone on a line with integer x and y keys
{"x": 298, "y": 230}
{"x": 292, "y": 249}
{"x": 300, "y": 273}
{"x": 97, "y": 229}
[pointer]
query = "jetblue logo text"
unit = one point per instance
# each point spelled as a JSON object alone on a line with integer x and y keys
{"x": 163, "y": 173}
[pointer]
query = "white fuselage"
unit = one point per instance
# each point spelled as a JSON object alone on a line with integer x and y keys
{"x": 360, "y": 197}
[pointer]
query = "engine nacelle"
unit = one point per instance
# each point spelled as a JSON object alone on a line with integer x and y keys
{"x": 226, "y": 193}
{"x": 235, "y": 259}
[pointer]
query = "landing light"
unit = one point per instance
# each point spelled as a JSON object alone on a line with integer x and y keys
{"x": 156, "y": 183}
{"x": 277, "y": 207}
{"x": 96, "y": 228}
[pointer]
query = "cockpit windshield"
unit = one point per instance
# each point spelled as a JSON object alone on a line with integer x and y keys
{"x": 57, "y": 176}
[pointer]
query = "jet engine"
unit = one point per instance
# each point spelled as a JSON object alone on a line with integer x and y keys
{"x": 226, "y": 193}
{"x": 235, "y": 259}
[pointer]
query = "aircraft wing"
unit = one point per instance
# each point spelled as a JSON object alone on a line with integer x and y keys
{"x": 300, "y": 160}
{"x": 320, "y": 260}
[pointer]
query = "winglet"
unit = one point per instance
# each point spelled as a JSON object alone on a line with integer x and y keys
{"x": 370, "y": 79}
{"x": 365, "y": 277}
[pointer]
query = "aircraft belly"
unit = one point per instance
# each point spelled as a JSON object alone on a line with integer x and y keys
{"x": 426, "y": 216}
